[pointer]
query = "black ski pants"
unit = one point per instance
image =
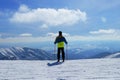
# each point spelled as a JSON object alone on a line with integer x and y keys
{"x": 63, "y": 54}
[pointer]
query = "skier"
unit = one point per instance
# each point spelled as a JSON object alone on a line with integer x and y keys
{"x": 60, "y": 40}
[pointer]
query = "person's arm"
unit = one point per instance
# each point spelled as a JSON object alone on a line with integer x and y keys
{"x": 65, "y": 41}
{"x": 55, "y": 41}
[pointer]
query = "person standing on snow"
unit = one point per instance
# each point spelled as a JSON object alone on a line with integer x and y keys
{"x": 60, "y": 40}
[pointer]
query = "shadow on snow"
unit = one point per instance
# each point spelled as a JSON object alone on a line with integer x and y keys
{"x": 54, "y": 63}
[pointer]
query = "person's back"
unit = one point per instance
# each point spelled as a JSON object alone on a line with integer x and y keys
{"x": 60, "y": 40}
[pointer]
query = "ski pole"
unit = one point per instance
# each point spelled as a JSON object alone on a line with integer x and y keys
{"x": 66, "y": 52}
{"x": 54, "y": 51}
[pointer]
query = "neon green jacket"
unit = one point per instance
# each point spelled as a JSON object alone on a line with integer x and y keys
{"x": 60, "y": 40}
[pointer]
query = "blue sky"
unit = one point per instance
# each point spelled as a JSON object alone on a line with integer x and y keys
{"x": 40, "y": 20}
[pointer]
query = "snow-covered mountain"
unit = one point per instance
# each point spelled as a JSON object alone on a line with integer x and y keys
{"x": 115, "y": 55}
{"x": 18, "y": 53}
{"x": 79, "y": 53}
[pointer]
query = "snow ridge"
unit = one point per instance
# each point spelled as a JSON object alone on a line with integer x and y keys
{"x": 25, "y": 53}
{"x": 19, "y": 53}
{"x": 116, "y": 55}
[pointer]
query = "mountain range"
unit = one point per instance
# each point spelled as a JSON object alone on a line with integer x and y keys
{"x": 25, "y": 53}
{"x": 18, "y": 53}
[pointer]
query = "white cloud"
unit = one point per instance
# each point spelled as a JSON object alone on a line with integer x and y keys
{"x": 92, "y": 38}
{"x": 103, "y": 31}
{"x": 26, "y": 35}
{"x": 56, "y": 34}
{"x": 51, "y": 34}
{"x": 108, "y": 34}
{"x": 103, "y": 19}
{"x": 25, "y": 39}
{"x": 51, "y": 37}
{"x": 49, "y": 16}
{"x": 23, "y": 8}
{"x": 44, "y": 26}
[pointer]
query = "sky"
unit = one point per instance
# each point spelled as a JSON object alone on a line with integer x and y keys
{"x": 24, "y": 21}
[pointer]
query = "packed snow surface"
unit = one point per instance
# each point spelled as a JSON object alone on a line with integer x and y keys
{"x": 84, "y": 69}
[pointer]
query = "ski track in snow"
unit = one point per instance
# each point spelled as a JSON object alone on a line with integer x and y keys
{"x": 84, "y": 69}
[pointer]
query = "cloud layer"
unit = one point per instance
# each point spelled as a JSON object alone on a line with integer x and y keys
{"x": 103, "y": 31}
{"x": 110, "y": 34}
{"x": 56, "y": 34}
{"x": 48, "y": 16}
{"x": 26, "y": 35}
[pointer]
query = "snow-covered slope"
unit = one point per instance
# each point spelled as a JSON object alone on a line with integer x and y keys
{"x": 115, "y": 55}
{"x": 18, "y": 53}
{"x": 85, "y": 69}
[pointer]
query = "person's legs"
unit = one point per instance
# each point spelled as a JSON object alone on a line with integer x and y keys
{"x": 58, "y": 54}
{"x": 63, "y": 54}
